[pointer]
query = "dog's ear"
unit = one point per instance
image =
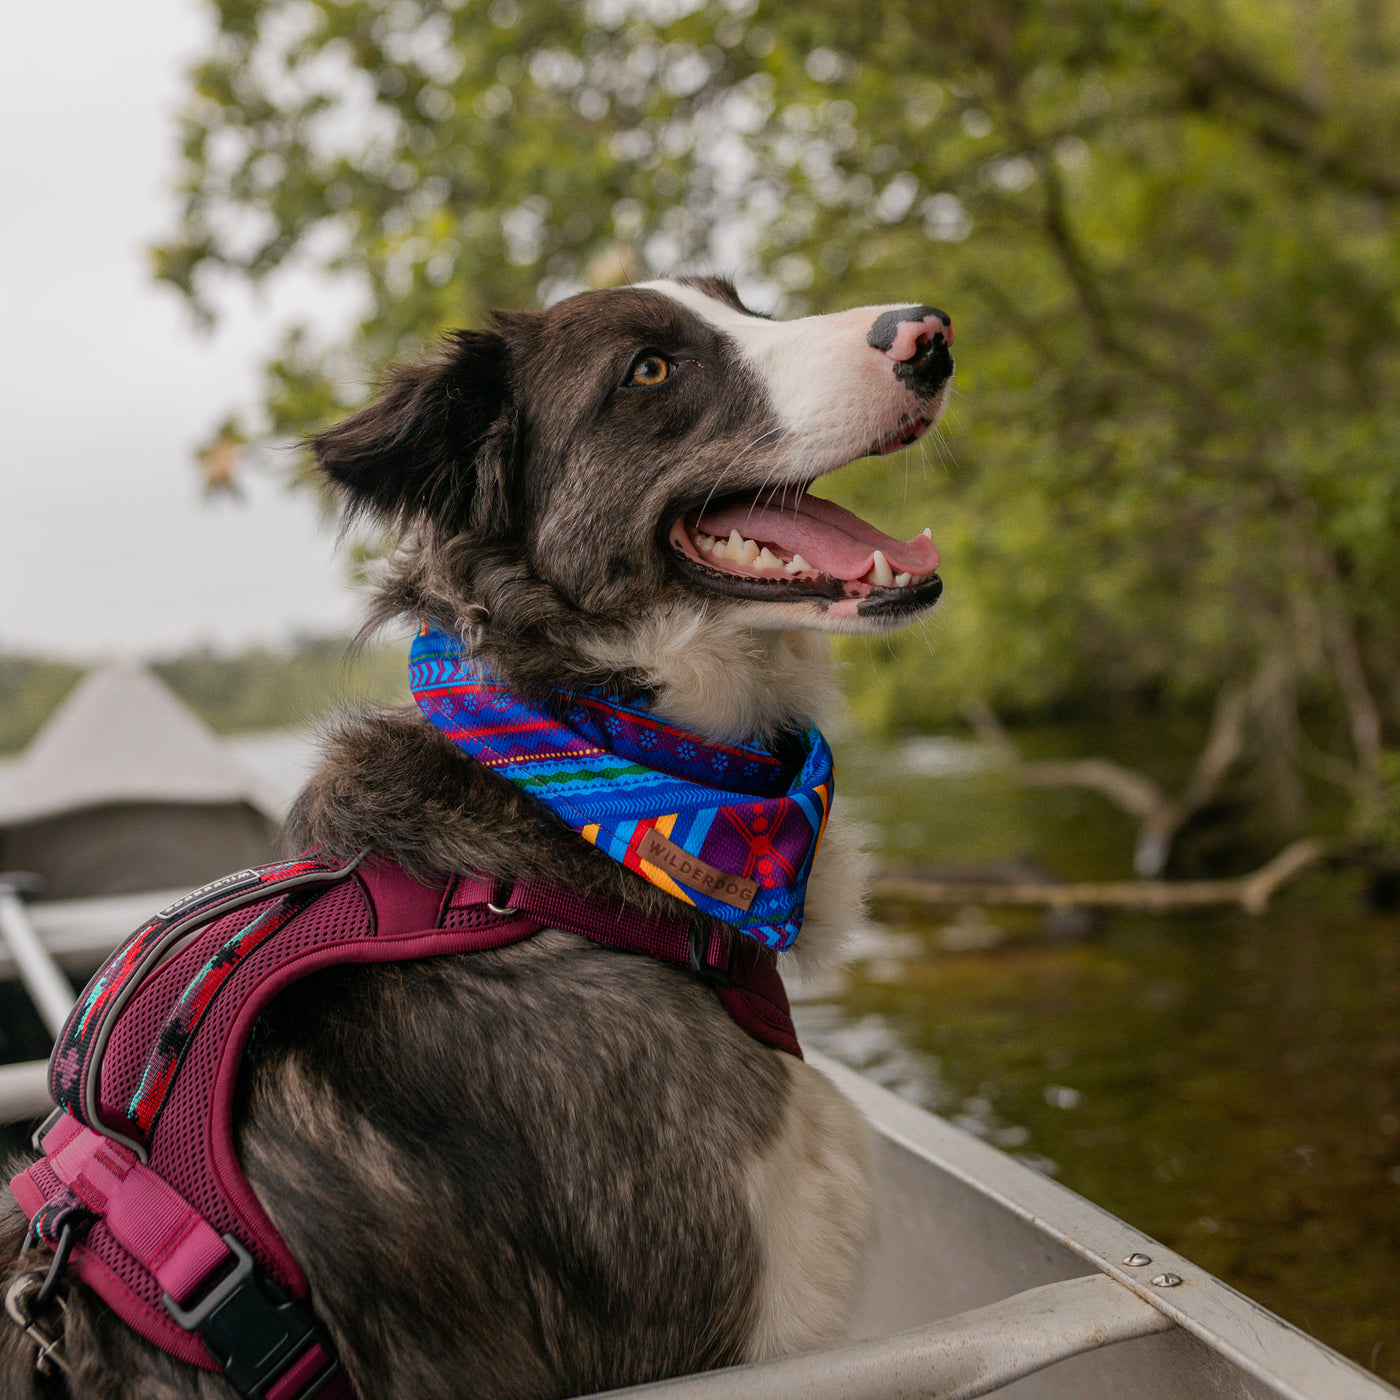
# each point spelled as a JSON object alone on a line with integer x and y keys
{"x": 434, "y": 440}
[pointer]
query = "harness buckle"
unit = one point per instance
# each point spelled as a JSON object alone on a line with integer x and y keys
{"x": 256, "y": 1334}
{"x": 19, "y": 1306}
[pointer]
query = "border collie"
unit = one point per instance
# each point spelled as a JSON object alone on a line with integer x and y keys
{"x": 551, "y": 1168}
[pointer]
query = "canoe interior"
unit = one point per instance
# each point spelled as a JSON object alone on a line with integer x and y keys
{"x": 964, "y": 1226}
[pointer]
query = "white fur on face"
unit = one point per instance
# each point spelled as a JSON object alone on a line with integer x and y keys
{"x": 834, "y": 393}
{"x": 723, "y": 668}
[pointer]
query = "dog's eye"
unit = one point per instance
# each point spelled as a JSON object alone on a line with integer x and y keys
{"x": 649, "y": 369}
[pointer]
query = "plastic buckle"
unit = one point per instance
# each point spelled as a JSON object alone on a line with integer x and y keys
{"x": 255, "y": 1336}
{"x": 37, "y": 1138}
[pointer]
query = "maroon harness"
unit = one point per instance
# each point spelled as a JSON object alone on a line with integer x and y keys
{"x": 140, "y": 1186}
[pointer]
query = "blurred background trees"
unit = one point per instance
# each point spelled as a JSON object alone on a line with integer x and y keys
{"x": 1168, "y": 232}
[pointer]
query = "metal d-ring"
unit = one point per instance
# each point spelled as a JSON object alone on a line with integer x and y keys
{"x": 49, "y": 1287}
{"x": 497, "y": 910}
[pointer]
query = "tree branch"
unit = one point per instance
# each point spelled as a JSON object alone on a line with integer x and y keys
{"x": 1285, "y": 120}
{"x": 1160, "y": 817}
{"x": 1251, "y": 892}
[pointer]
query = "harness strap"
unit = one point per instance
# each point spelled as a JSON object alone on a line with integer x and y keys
{"x": 616, "y": 925}
{"x": 269, "y": 1347}
{"x": 148, "y": 1217}
{"x": 743, "y": 972}
{"x": 140, "y": 1176}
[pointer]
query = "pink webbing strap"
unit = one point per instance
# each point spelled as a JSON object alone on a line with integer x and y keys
{"x": 271, "y": 1350}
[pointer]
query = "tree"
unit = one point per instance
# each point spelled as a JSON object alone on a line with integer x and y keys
{"x": 1168, "y": 230}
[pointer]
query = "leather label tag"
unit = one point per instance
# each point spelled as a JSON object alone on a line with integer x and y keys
{"x": 686, "y": 869}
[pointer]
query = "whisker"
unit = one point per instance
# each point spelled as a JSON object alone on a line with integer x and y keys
{"x": 734, "y": 462}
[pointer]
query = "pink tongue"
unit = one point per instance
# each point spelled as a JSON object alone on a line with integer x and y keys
{"x": 830, "y": 539}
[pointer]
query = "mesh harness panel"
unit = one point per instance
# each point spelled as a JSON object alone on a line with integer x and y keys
{"x": 140, "y": 1178}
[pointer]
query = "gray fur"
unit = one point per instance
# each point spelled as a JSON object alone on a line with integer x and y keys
{"x": 528, "y": 1173}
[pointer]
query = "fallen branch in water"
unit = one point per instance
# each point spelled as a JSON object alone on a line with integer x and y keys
{"x": 1251, "y": 892}
{"x": 1160, "y": 816}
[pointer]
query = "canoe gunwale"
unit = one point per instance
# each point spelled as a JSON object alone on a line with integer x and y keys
{"x": 959, "y": 1358}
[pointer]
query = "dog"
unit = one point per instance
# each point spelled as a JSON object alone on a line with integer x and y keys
{"x": 550, "y": 1168}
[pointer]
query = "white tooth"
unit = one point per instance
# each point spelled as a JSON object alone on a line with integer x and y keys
{"x": 719, "y": 551}
{"x": 902, "y": 580}
{"x": 768, "y": 560}
{"x": 745, "y": 551}
{"x": 798, "y": 565}
{"x": 927, "y": 533}
{"x": 880, "y": 571}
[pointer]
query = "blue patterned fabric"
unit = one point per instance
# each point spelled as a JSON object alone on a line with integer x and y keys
{"x": 729, "y": 828}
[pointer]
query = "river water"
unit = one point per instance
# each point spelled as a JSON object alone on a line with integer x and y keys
{"x": 1230, "y": 1085}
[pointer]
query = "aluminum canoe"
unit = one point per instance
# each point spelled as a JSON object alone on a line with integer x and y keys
{"x": 990, "y": 1279}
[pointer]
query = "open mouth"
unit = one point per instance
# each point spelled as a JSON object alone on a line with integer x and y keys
{"x": 786, "y": 543}
{"x": 781, "y": 543}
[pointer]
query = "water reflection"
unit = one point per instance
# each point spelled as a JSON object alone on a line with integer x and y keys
{"x": 1229, "y": 1085}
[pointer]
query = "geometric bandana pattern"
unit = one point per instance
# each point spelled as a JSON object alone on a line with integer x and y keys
{"x": 739, "y": 824}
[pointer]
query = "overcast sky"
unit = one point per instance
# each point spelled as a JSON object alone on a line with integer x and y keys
{"x": 107, "y": 546}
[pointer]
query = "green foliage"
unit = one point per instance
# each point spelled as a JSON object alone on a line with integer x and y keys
{"x": 30, "y": 690}
{"x": 1168, "y": 232}
{"x": 281, "y": 689}
{"x": 262, "y": 688}
{"x": 1379, "y": 819}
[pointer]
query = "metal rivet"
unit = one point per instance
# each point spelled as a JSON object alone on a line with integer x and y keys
{"x": 1166, "y": 1280}
{"x": 1137, "y": 1261}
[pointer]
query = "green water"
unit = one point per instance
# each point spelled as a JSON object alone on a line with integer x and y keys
{"x": 1229, "y": 1085}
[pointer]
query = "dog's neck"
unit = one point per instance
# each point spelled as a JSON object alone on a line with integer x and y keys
{"x": 708, "y": 668}
{"x": 724, "y": 680}
{"x": 732, "y": 682}
{"x": 383, "y": 770}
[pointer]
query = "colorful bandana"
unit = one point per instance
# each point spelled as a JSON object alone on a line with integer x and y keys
{"x": 729, "y": 828}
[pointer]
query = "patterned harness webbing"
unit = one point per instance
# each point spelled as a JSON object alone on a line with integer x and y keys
{"x": 140, "y": 1177}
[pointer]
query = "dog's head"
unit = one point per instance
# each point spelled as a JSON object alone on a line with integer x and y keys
{"x": 567, "y": 477}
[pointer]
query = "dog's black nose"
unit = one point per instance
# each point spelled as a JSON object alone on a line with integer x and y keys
{"x": 901, "y": 333}
{"x": 917, "y": 339}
